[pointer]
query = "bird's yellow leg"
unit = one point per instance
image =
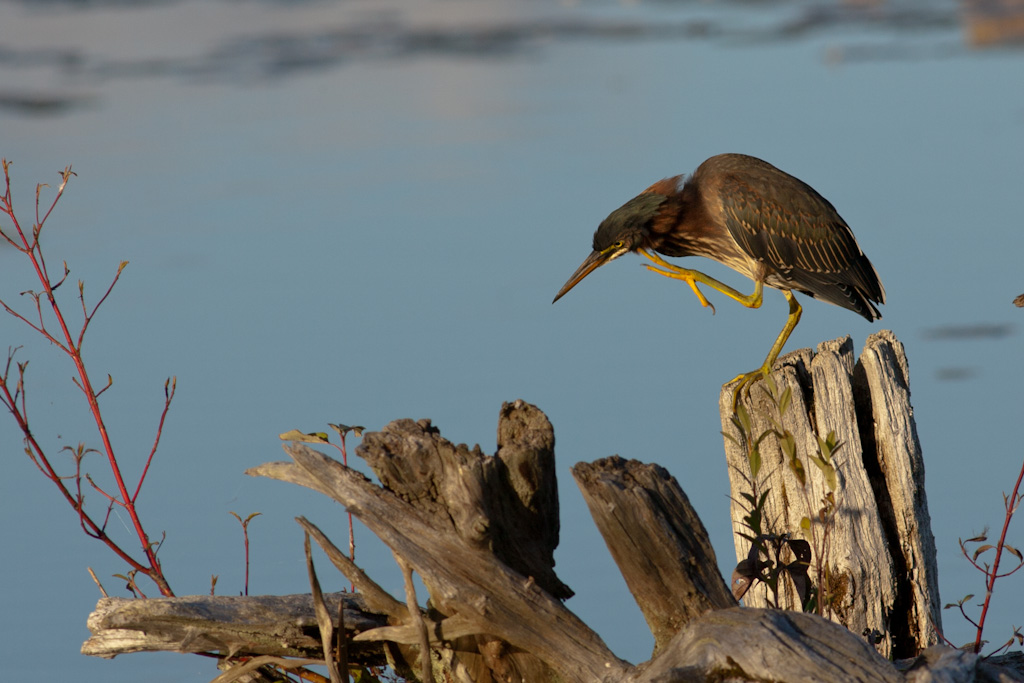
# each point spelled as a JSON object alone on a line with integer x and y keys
{"x": 747, "y": 379}
{"x": 692, "y": 277}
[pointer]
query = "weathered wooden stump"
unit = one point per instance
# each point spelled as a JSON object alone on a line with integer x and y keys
{"x": 880, "y": 553}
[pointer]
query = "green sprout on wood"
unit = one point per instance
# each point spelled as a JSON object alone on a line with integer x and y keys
{"x": 773, "y": 554}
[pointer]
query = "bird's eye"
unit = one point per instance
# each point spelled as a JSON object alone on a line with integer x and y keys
{"x": 618, "y": 245}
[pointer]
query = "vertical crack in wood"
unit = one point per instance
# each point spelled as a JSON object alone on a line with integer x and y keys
{"x": 902, "y": 643}
{"x": 881, "y": 560}
{"x": 883, "y": 391}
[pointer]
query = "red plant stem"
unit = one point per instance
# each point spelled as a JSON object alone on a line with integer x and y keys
{"x": 170, "y": 386}
{"x": 33, "y": 252}
{"x": 245, "y": 536}
{"x": 990, "y": 580}
{"x": 94, "y": 529}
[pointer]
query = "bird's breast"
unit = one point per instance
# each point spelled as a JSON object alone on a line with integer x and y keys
{"x": 718, "y": 246}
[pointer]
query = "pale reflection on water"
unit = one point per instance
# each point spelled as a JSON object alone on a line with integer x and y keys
{"x": 386, "y": 32}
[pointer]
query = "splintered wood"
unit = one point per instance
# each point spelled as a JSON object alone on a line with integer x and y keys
{"x": 876, "y": 547}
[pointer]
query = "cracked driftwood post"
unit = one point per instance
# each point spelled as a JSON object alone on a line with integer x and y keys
{"x": 882, "y": 573}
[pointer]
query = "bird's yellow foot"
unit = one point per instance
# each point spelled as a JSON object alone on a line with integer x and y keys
{"x": 686, "y": 276}
{"x": 746, "y": 381}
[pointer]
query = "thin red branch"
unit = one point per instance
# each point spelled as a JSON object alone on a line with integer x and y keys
{"x": 37, "y": 328}
{"x": 172, "y": 383}
{"x": 63, "y": 277}
{"x": 1011, "y": 572}
{"x": 965, "y": 616}
{"x": 990, "y": 581}
{"x": 33, "y": 251}
{"x": 106, "y": 517}
{"x": 245, "y": 535}
{"x": 974, "y": 563}
{"x": 245, "y": 538}
{"x": 80, "y": 497}
{"x": 112, "y": 499}
{"x": 65, "y": 175}
{"x": 3, "y": 233}
{"x": 89, "y": 315}
{"x": 110, "y": 383}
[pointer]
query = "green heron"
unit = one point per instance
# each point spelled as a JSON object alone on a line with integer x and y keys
{"x": 750, "y": 216}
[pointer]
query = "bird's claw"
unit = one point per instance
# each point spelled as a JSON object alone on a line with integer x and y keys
{"x": 746, "y": 382}
{"x": 685, "y": 276}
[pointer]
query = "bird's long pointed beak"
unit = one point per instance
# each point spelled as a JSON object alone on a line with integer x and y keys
{"x": 594, "y": 261}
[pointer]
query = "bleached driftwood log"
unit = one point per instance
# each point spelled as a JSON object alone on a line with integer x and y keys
{"x": 282, "y": 625}
{"x": 491, "y": 618}
{"x": 880, "y": 553}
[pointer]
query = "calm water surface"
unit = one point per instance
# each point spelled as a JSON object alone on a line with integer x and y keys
{"x": 357, "y": 212}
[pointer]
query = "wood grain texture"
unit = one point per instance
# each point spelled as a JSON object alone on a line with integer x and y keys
{"x": 883, "y": 378}
{"x": 506, "y": 504}
{"x": 657, "y": 541}
{"x": 463, "y": 579}
{"x": 867, "y": 552}
{"x": 746, "y": 644}
{"x": 282, "y": 625}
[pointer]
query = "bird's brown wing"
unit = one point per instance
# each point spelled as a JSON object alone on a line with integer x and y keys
{"x": 798, "y": 235}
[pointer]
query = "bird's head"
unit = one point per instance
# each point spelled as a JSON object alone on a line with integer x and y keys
{"x": 625, "y": 230}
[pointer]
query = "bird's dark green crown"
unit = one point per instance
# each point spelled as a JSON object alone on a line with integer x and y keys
{"x": 629, "y": 223}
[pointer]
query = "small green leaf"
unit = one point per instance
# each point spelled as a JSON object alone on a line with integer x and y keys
{"x": 736, "y": 422}
{"x": 302, "y": 437}
{"x": 755, "y": 462}
{"x": 827, "y": 470}
{"x": 787, "y": 396}
{"x": 345, "y": 429}
{"x": 764, "y": 435}
{"x": 744, "y": 418}
{"x": 788, "y": 444}
{"x": 798, "y": 471}
{"x": 805, "y": 523}
{"x": 825, "y": 452}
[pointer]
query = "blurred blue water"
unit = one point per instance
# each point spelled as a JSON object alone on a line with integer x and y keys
{"x": 355, "y": 213}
